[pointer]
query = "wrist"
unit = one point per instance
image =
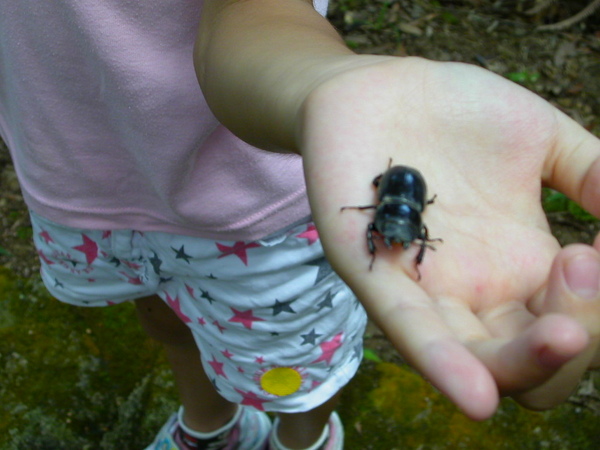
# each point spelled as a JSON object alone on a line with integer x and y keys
{"x": 359, "y": 89}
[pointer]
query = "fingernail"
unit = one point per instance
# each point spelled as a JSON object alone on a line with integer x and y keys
{"x": 582, "y": 274}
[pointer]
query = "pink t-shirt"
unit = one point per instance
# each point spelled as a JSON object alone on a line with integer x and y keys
{"x": 108, "y": 128}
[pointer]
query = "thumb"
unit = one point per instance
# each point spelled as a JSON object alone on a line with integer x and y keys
{"x": 573, "y": 290}
{"x": 573, "y": 164}
{"x": 573, "y": 286}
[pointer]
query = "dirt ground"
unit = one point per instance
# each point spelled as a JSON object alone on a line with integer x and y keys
{"x": 563, "y": 66}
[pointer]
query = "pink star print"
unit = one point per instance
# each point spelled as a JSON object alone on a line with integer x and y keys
{"x": 89, "y": 248}
{"x": 46, "y": 236}
{"x": 329, "y": 348}
{"x": 244, "y": 317}
{"x": 227, "y": 354}
{"x": 176, "y": 307}
{"x": 132, "y": 280}
{"x": 217, "y": 367}
{"x": 219, "y": 326}
{"x": 311, "y": 234}
{"x": 132, "y": 265}
{"x": 201, "y": 321}
{"x": 238, "y": 249}
{"x": 44, "y": 258}
{"x": 251, "y": 399}
{"x": 190, "y": 290}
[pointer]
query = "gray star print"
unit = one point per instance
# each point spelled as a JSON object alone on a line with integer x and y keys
{"x": 327, "y": 303}
{"x": 310, "y": 338}
{"x": 280, "y": 307}
{"x": 156, "y": 263}
{"x": 324, "y": 268}
{"x": 207, "y": 296}
{"x": 181, "y": 254}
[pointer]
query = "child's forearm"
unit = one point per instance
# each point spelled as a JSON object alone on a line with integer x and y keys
{"x": 257, "y": 60}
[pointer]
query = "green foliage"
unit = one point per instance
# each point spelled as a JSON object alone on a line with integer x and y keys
{"x": 449, "y": 18}
{"x": 25, "y": 233}
{"x": 523, "y": 77}
{"x": 554, "y": 201}
{"x": 370, "y": 355}
{"x": 579, "y": 213}
{"x": 352, "y": 44}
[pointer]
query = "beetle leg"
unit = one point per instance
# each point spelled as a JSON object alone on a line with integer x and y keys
{"x": 371, "y": 243}
{"x": 358, "y": 207}
{"x": 378, "y": 177}
{"x": 419, "y": 259}
{"x": 424, "y": 245}
{"x": 376, "y": 180}
{"x": 420, "y": 256}
{"x": 425, "y": 237}
{"x": 429, "y": 202}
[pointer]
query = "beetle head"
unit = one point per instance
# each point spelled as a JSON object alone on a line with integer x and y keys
{"x": 396, "y": 230}
{"x": 398, "y": 222}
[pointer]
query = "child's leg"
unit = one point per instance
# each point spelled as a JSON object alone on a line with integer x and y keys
{"x": 204, "y": 409}
{"x": 301, "y": 430}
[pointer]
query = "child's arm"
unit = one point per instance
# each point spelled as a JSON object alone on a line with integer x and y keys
{"x": 257, "y": 60}
{"x": 489, "y": 315}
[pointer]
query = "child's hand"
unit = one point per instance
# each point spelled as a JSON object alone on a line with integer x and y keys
{"x": 500, "y": 308}
{"x": 488, "y": 315}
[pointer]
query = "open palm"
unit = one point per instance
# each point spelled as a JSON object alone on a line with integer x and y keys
{"x": 489, "y": 316}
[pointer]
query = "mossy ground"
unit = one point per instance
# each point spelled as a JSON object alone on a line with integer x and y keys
{"x": 82, "y": 378}
{"x": 391, "y": 407}
{"x": 76, "y": 378}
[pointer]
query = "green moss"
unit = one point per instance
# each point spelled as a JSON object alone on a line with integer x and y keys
{"x": 389, "y": 406}
{"x": 75, "y": 377}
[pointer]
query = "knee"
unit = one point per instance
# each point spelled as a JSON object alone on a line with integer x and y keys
{"x": 161, "y": 323}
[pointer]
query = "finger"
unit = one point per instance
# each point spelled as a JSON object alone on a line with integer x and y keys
{"x": 529, "y": 352}
{"x": 559, "y": 387}
{"x": 595, "y": 360}
{"x": 573, "y": 287}
{"x": 458, "y": 317}
{"x": 573, "y": 164}
{"x": 533, "y": 356}
{"x": 506, "y": 320}
{"x": 597, "y": 242}
{"x": 413, "y": 324}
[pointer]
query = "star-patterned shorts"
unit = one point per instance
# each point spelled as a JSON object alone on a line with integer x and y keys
{"x": 277, "y": 329}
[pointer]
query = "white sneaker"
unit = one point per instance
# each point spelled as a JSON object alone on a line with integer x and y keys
{"x": 250, "y": 431}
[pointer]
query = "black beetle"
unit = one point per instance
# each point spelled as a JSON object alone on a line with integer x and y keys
{"x": 402, "y": 198}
